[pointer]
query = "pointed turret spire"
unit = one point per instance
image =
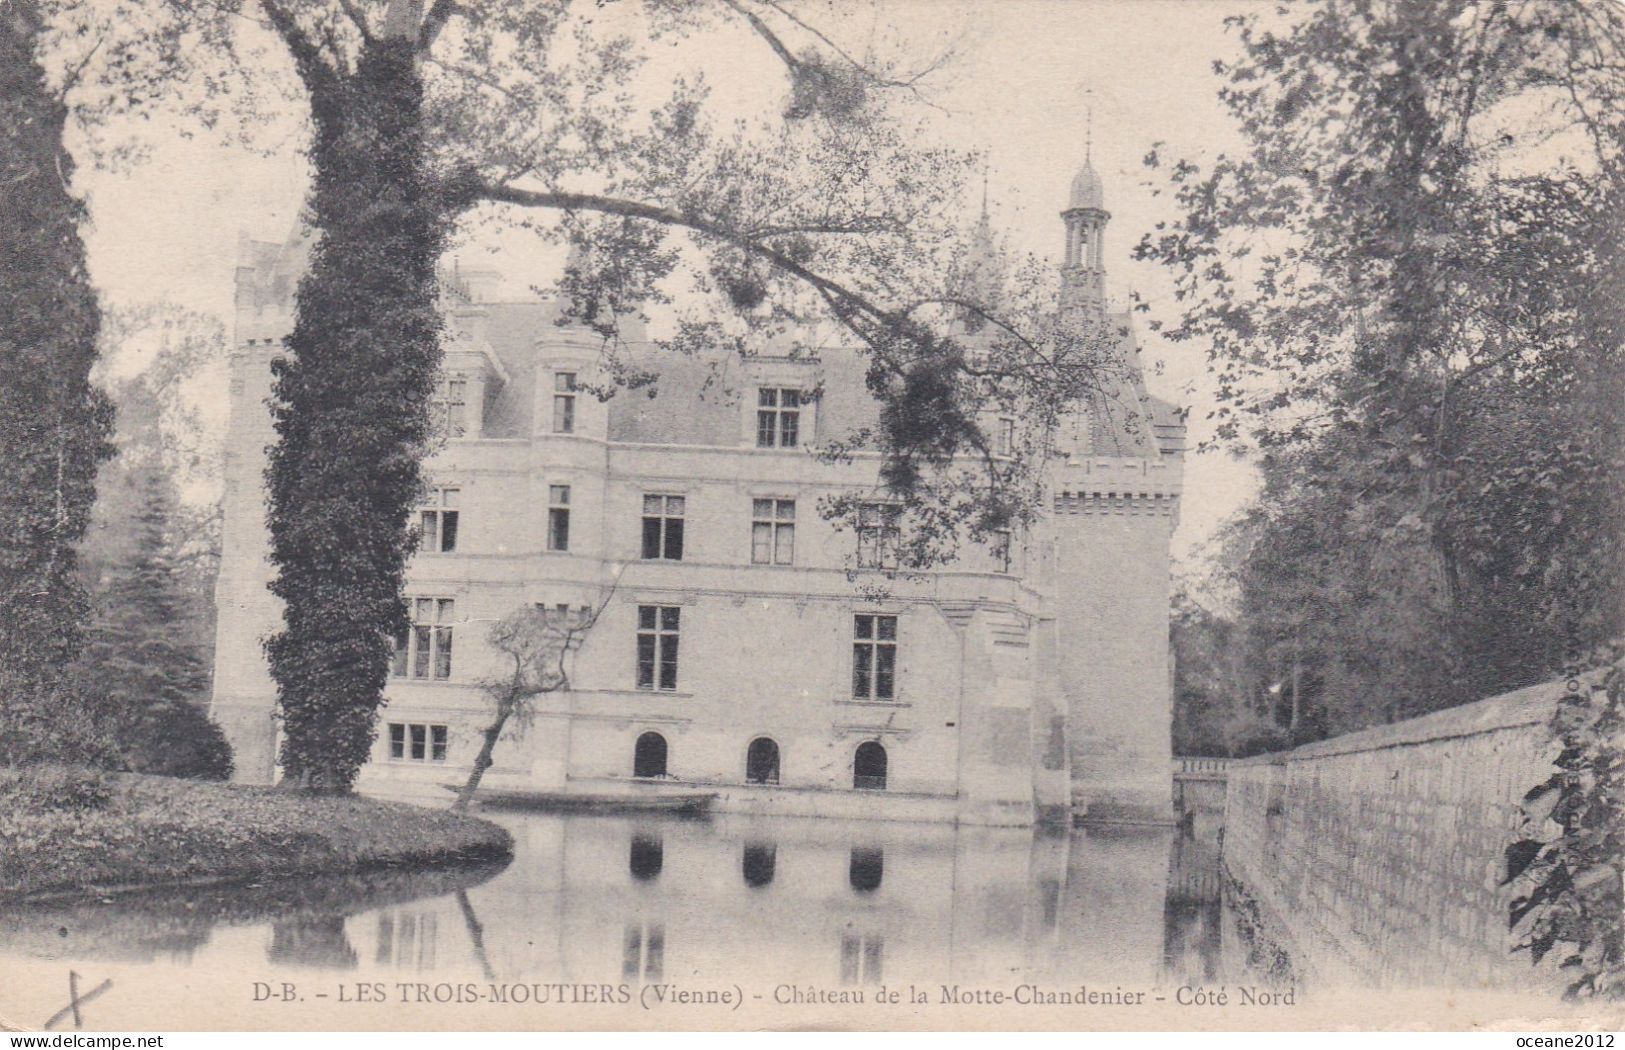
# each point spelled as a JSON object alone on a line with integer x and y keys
{"x": 984, "y": 271}
{"x": 1088, "y": 135}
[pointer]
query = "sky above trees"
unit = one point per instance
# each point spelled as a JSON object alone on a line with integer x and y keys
{"x": 1025, "y": 75}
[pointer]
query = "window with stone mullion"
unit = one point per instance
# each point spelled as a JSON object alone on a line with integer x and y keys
{"x": 663, "y": 527}
{"x": 874, "y": 657}
{"x": 773, "y": 531}
{"x": 778, "y": 417}
{"x": 658, "y": 629}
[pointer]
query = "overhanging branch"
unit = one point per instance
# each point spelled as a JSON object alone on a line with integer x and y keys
{"x": 850, "y": 302}
{"x": 439, "y": 14}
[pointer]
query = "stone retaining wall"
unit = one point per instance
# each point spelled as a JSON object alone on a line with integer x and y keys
{"x": 1376, "y": 857}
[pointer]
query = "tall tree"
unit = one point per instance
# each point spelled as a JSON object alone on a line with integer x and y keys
{"x": 351, "y": 401}
{"x": 54, "y": 424}
{"x": 1397, "y": 282}
{"x": 1220, "y": 707}
{"x": 158, "y": 365}
{"x": 144, "y": 676}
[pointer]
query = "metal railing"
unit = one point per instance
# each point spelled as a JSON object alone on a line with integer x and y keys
{"x": 1201, "y": 766}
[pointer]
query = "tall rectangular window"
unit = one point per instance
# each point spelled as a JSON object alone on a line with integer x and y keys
{"x": 417, "y": 741}
{"x": 773, "y": 531}
{"x": 874, "y": 657}
{"x": 424, "y": 651}
{"x": 437, "y": 525}
{"x": 1004, "y": 441}
{"x": 564, "y": 402}
{"x": 778, "y": 417}
{"x": 663, "y": 527}
{"x": 657, "y": 646}
{"x": 558, "y": 517}
{"x": 877, "y": 535}
{"x": 450, "y": 406}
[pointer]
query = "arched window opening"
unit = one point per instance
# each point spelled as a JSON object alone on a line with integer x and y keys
{"x": 647, "y": 858}
{"x": 762, "y": 762}
{"x": 649, "y": 757}
{"x": 758, "y": 864}
{"x": 869, "y": 767}
{"x": 867, "y": 868}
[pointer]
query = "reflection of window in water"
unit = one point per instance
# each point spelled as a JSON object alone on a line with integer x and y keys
{"x": 1049, "y": 898}
{"x": 758, "y": 863}
{"x": 867, "y": 867}
{"x": 860, "y": 958}
{"x": 1192, "y": 932}
{"x": 316, "y": 941}
{"x": 644, "y": 956}
{"x": 647, "y": 857}
{"x": 407, "y": 941}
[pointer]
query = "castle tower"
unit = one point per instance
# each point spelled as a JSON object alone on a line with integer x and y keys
{"x": 1115, "y": 503}
{"x": 244, "y": 702}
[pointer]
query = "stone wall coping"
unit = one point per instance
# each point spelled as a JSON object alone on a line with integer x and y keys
{"x": 1531, "y": 705}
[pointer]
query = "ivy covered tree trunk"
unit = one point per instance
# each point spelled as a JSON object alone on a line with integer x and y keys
{"x": 351, "y": 409}
{"x": 54, "y": 426}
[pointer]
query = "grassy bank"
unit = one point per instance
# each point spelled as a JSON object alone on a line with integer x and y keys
{"x": 76, "y": 831}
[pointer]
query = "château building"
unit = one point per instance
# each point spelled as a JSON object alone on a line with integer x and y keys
{"x": 743, "y": 644}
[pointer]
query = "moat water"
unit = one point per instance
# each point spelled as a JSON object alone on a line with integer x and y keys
{"x": 629, "y": 915}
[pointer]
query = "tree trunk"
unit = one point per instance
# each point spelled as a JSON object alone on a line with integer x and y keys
{"x": 476, "y": 934}
{"x": 482, "y": 761}
{"x": 1297, "y": 681}
{"x": 54, "y": 425}
{"x": 351, "y": 410}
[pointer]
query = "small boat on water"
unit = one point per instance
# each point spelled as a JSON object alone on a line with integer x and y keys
{"x": 687, "y": 803}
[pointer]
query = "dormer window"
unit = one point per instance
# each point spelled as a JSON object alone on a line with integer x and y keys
{"x": 449, "y": 408}
{"x": 778, "y": 417}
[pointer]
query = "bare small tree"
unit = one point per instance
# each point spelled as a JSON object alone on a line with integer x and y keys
{"x": 537, "y": 642}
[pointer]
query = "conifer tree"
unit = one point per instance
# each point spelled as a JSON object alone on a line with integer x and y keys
{"x": 149, "y": 681}
{"x": 54, "y": 425}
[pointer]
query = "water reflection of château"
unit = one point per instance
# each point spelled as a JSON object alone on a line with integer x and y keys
{"x": 735, "y": 900}
{"x": 622, "y": 903}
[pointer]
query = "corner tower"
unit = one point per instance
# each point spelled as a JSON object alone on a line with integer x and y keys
{"x": 1115, "y": 502}
{"x": 244, "y": 697}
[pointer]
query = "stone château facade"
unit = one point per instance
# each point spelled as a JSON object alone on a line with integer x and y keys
{"x": 741, "y": 645}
